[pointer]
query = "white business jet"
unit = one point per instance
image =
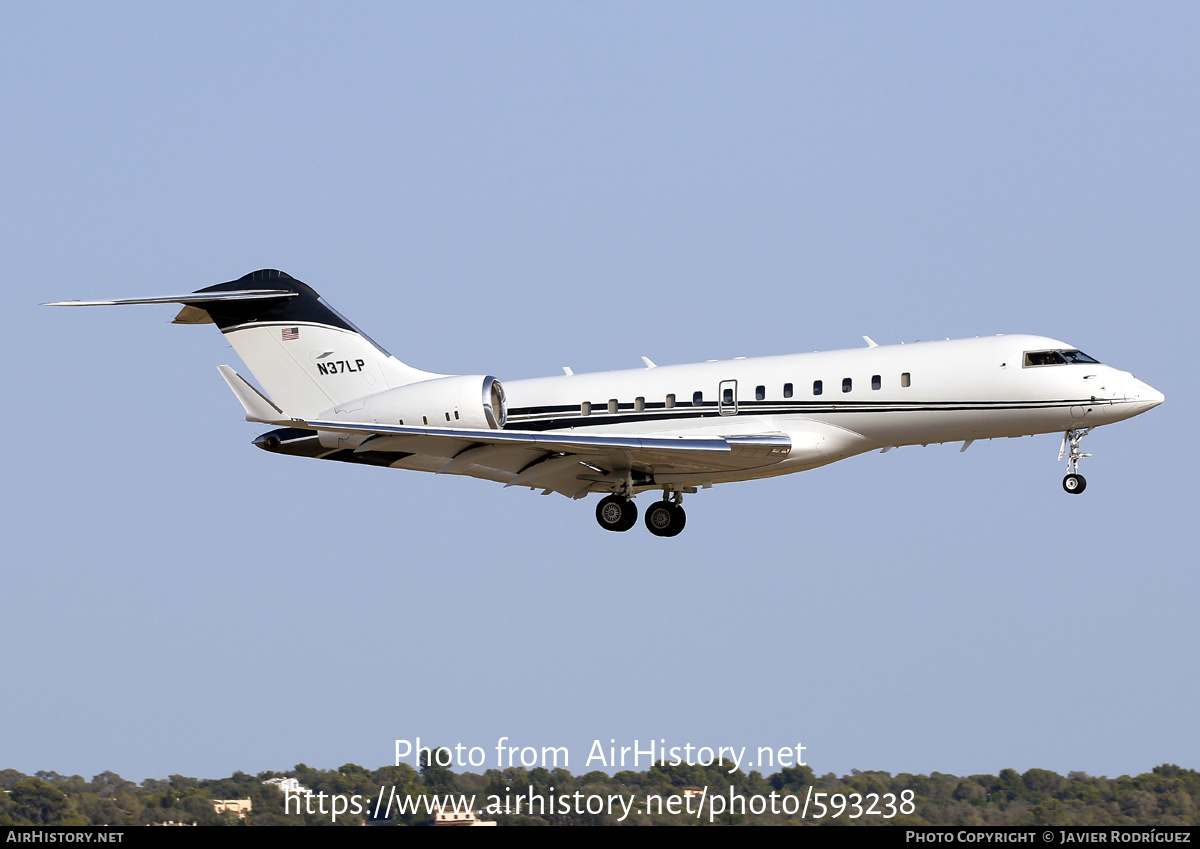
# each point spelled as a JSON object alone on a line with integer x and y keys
{"x": 335, "y": 394}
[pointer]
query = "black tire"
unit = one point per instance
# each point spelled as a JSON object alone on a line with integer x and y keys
{"x": 1074, "y": 484}
{"x": 615, "y": 513}
{"x": 664, "y": 519}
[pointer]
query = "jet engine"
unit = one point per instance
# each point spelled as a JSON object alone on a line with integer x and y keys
{"x": 471, "y": 401}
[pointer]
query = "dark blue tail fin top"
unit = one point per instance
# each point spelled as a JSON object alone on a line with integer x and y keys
{"x": 305, "y": 307}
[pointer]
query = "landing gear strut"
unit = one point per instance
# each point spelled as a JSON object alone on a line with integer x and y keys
{"x": 1074, "y": 482}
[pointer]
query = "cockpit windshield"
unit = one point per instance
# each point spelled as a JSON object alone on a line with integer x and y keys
{"x": 1062, "y": 357}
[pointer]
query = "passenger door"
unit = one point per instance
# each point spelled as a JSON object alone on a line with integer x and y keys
{"x": 727, "y": 398}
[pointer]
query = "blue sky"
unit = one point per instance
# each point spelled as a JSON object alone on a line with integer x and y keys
{"x": 511, "y": 188}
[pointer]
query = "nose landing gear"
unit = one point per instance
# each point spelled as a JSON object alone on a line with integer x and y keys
{"x": 1074, "y": 482}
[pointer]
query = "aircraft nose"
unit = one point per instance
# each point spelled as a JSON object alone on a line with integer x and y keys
{"x": 1149, "y": 395}
{"x": 1145, "y": 397}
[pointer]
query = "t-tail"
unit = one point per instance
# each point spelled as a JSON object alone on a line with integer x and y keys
{"x": 304, "y": 353}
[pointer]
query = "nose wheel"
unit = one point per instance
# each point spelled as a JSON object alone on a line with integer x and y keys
{"x": 1074, "y": 482}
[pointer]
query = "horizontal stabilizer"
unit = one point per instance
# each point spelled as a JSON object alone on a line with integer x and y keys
{"x": 193, "y": 298}
{"x": 258, "y": 407}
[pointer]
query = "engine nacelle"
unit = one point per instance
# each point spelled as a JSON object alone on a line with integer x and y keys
{"x": 471, "y": 401}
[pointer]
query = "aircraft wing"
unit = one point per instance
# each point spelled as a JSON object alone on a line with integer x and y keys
{"x": 557, "y": 462}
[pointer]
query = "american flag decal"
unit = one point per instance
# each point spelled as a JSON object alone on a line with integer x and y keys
{"x": 291, "y": 333}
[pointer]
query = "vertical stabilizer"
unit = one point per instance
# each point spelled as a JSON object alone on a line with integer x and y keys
{"x": 305, "y": 354}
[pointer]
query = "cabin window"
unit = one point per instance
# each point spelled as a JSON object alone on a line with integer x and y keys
{"x": 905, "y": 379}
{"x": 876, "y": 382}
{"x": 670, "y": 401}
{"x": 760, "y": 392}
{"x": 787, "y": 390}
{"x": 697, "y": 399}
{"x": 585, "y": 409}
{"x": 639, "y": 404}
{"x": 847, "y": 384}
{"x": 456, "y": 415}
{"x": 727, "y": 395}
{"x": 612, "y": 405}
{"x": 447, "y": 417}
{"x": 424, "y": 419}
{"x": 818, "y": 387}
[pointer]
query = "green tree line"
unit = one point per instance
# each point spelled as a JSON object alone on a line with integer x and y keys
{"x": 1167, "y": 795}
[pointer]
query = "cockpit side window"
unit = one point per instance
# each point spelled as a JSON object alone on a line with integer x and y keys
{"x": 1057, "y": 358}
{"x": 1043, "y": 358}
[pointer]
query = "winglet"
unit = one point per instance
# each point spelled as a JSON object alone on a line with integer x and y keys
{"x": 649, "y": 363}
{"x": 258, "y": 407}
{"x": 871, "y": 343}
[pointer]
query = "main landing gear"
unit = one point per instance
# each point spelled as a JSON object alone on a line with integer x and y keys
{"x": 616, "y": 513}
{"x": 663, "y": 518}
{"x": 1074, "y": 482}
{"x": 666, "y": 518}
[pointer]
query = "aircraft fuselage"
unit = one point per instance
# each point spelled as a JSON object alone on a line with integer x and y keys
{"x": 334, "y": 394}
{"x": 869, "y": 398}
